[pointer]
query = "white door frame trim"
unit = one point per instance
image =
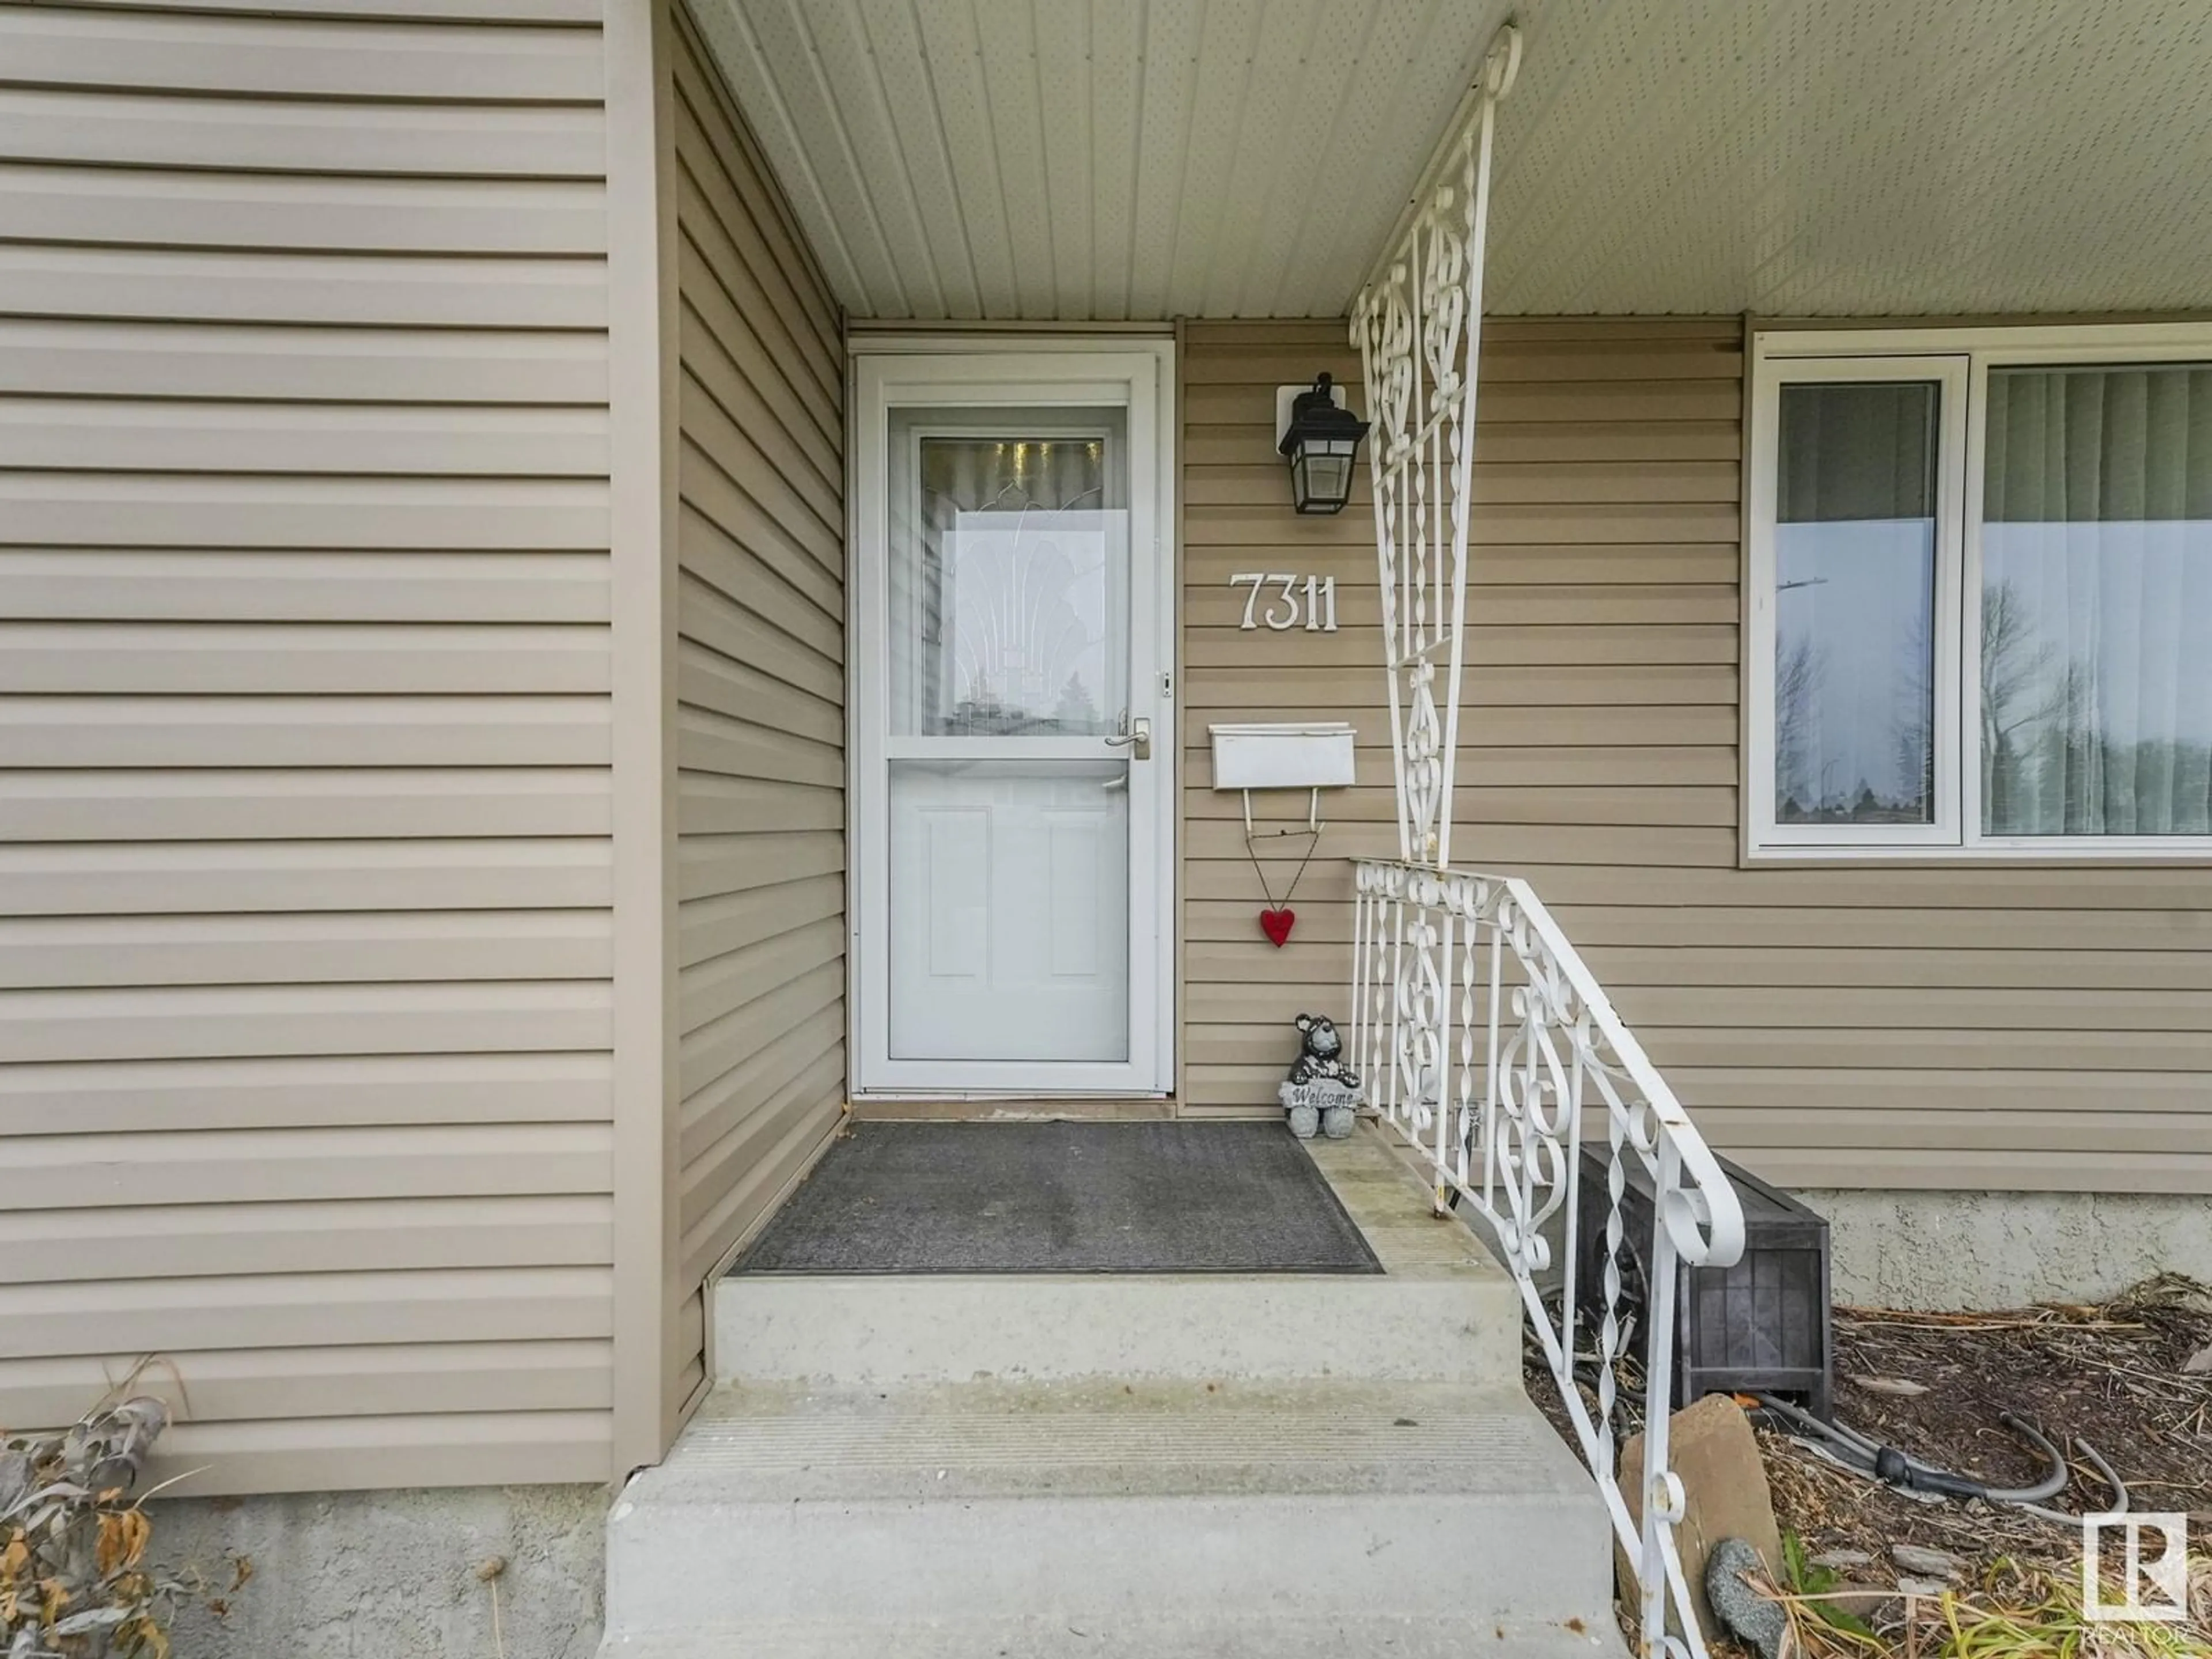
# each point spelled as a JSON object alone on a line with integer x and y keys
{"x": 1020, "y": 369}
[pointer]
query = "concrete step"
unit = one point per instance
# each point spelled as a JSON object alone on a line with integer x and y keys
{"x": 1101, "y": 1506}
{"x": 1262, "y": 1635}
{"x": 1122, "y": 1465}
{"x": 1440, "y": 1311}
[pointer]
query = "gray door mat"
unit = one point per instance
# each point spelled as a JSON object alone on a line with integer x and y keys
{"x": 1063, "y": 1198}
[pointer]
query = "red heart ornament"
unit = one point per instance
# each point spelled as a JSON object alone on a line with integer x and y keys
{"x": 1276, "y": 925}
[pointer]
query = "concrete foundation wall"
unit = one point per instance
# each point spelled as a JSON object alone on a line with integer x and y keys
{"x": 1985, "y": 1250}
{"x": 393, "y": 1575}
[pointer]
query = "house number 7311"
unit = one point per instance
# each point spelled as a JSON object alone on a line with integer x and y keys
{"x": 1315, "y": 605}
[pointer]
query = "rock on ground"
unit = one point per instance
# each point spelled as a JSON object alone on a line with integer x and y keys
{"x": 1717, "y": 1457}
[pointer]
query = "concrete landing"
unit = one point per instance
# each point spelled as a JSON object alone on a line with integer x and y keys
{"x": 1442, "y": 1311}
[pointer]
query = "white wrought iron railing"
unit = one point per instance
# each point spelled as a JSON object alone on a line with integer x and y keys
{"x": 1418, "y": 324}
{"x": 1486, "y": 1046}
{"x": 1482, "y": 1041}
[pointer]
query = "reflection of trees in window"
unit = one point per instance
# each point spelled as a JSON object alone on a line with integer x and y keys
{"x": 1076, "y": 711}
{"x": 2049, "y": 767}
{"x": 1796, "y": 685}
{"x": 1912, "y": 730}
{"x": 2030, "y": 701}
{"x": 1812, "y": 786}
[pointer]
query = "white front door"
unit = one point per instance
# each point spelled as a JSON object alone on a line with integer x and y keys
{"x": 1012, "y": 754}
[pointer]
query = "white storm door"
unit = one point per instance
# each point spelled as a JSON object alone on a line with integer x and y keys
{"x": 1013, "y": 782}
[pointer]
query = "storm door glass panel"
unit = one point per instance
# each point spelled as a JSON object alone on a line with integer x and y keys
{"x": 1009, "y": 592}
{"x": 1010, "y": 582}
{"x": 1855, "y": 544}
{"x": 2096, "y": 635}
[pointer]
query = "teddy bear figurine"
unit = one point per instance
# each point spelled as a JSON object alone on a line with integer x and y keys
{"x": 1322, "y": 1094}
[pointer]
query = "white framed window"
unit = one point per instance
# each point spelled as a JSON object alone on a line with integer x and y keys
{"x": 1978, "y": 593}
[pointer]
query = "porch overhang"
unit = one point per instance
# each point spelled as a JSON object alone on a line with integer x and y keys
{"x": 1079, "y": 161}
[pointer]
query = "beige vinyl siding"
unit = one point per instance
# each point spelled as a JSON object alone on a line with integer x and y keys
{"x": 2002, "y": 1027}
{"x": 305, "y": 938}
{"x": 759, "y": 719}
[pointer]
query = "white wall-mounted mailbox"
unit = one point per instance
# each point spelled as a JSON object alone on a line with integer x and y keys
{"x": 1308, "y": 754}
{"x": 1289, "y": 755}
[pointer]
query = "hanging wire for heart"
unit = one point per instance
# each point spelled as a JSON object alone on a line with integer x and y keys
{"x": 1251, "y": 853}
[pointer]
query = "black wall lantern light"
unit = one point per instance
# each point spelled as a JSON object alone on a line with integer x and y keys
{"x": 1321, "y": 438}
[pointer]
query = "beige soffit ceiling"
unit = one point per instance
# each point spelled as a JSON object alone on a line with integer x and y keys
{"x": 1102, "y": 159}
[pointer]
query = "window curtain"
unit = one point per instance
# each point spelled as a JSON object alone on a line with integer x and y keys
{"x": 1855, "y": 450}
{"x": 2096, "y": 602}
{"x": 990, "y": 475}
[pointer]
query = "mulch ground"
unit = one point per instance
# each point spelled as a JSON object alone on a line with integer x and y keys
{"x": 1935, "y": 1385}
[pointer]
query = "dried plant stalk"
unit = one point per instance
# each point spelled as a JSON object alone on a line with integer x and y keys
{"x": 74, "y": 1579}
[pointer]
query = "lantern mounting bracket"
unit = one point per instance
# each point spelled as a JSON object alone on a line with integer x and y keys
{"x": 1286, "y": 398}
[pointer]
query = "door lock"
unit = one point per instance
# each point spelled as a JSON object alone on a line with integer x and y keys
{"x": 1135, "y": 736}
